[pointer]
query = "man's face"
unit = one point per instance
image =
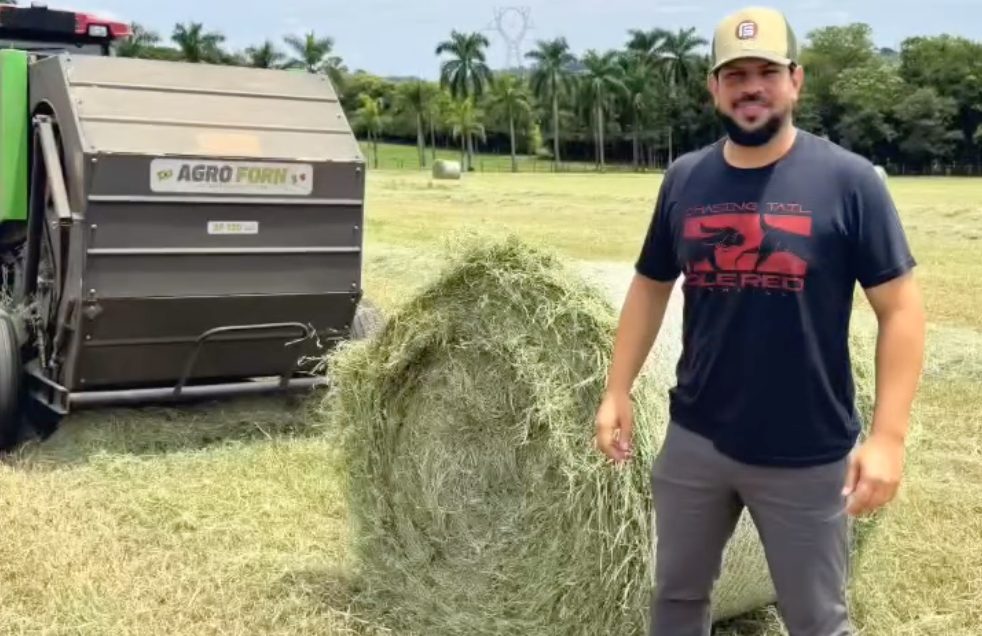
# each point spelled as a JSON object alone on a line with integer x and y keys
{"x": 754, "y": 98}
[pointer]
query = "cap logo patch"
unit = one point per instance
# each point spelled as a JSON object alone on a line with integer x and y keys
{"x": 747, "y": 30}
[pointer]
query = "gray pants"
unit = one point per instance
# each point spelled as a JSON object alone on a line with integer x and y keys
{"x": 800, "y": 515}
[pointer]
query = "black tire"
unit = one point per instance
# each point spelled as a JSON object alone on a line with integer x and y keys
{"x": 11, "y": 385}
{"x": 368, "y": 321}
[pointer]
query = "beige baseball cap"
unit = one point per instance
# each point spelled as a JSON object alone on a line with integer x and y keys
{"x": 757, "y": 32}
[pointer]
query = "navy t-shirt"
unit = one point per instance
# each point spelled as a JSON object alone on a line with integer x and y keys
{"x": 771, "y": 257}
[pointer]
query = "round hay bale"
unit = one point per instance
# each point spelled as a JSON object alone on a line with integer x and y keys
{"x": 478, "y": 502}
{"x": 444, "y": 169}
{"x": 882, "y": 172}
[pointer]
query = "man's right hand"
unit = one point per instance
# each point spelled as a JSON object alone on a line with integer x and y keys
{"x": 615, "y": 426}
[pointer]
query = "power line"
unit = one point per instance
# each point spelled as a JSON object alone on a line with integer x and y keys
{"x": 513, "y": 24}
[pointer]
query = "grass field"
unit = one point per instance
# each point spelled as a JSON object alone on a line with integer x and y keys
{"x": 228, "y": 519}
{"x": 405, "y": 157}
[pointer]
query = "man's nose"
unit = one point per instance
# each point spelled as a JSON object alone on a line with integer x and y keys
{"x": 753, "y": 84}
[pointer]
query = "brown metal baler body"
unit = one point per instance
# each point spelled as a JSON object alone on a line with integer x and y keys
{"x": 214, "y": 219}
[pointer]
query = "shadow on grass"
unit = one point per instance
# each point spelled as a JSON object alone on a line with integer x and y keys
{"x": 332, "y": 592}
{"x": 763, "y": 622}
{"x": 155, "y": 430}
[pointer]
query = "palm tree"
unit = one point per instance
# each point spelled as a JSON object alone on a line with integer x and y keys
{"x": 139, "y": 44}
{"x": 637, "y": 68}
{"x": 414, "y": 97}
{"x": 264, "y": 56}
{"x": 465, "y": 118}
{"x": 602, "y": 81}
{"x": 371, "y": 116}
{"x": 466, "y": 72}
{"x": 314, "y": 55}
{"x": 197, "y": 45}
{"x": 438, "y": 113}
{"x": 678, "y": 53}
{"x": 552, "y": 79}
{"x": 510, "y": 97}
{"x": 649, "y": 43}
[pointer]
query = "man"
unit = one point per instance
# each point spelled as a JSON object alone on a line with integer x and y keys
{"x": 772, "y": 228}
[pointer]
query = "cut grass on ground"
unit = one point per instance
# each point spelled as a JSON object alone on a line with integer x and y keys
{"x": 229, "y": 519}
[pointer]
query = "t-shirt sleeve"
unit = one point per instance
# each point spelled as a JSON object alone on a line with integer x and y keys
{"x": 881, "y": 251}
{"x": 657, "y": 259}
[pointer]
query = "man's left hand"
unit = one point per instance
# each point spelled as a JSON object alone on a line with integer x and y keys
{"x": 875, "y": 471}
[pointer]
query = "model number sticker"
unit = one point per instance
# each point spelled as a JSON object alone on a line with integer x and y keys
{"x": 231, "y": 177}
{"x": 233, "y": 227}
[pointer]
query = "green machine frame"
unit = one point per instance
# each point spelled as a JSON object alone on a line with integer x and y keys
{"x": 14, "y": 130}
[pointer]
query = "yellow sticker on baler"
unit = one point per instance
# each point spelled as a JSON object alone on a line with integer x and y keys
{"x": 231, "y": 177}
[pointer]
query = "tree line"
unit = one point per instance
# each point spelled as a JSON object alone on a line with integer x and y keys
{"x": 915, "y": 110}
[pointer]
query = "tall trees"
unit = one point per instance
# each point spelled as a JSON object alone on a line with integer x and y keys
{"x": 466, "y": 73}
{"x": 639, "y": 95}
{"x": 678, "y": 50}
{"x": 830, "y": 52}
{"x": 926, "y": 134}
{"x": 602, "y": 84}
{"x": 414, "y": 98}
{"x": 371, "y": 118}
{"x": 314, "y": 54}
{"x": 140, "y": 43}
{"x": 265, "y": 55}
{"x": 465, "y": 119}
{"x": 918, "y": 106}
{"x": 867, "y": 95}
{"x": 511, "y": 98}
{"x": 196, "y": 44}
{"x": 552, "y": 81}
{"x": 952, "y": 66}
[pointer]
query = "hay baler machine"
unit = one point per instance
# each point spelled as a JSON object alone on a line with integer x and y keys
{"x": 168, "y": 230}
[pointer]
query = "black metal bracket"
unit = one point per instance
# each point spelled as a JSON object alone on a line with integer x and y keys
{"x": 304, "y": 332}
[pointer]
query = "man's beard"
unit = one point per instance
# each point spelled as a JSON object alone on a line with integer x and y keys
{"x": 753, "y": 138}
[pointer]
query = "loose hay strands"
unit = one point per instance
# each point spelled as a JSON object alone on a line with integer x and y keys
{"x": 479, "y": 503}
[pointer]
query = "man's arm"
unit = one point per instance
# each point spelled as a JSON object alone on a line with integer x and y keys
{"x": 876, "y": 469}
{"x": 899, "y": 354}
{"x": 656, "y": 272}
{"x": 640, "y": 321}
{"x": 884, "y": 265}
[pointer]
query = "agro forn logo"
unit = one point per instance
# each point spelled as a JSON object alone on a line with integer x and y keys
{"x": 747, "y": 30}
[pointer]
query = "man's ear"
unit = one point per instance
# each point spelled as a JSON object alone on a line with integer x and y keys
{"x": 712, "y": 83}
{"x": 798, "y": 77}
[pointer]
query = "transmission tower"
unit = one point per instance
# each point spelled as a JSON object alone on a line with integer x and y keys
{"x": 513, "y": 24}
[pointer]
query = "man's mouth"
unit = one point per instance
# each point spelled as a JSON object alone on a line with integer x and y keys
{"x": 751, "y": 109}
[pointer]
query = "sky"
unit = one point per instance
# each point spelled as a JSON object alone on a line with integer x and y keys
{"x": 399, "y": 37}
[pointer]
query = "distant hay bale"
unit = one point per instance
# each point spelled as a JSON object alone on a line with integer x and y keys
{"x": 882, "y": 172}
{"x": 444, "y": 169}
{"x": 478, "y": 502}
